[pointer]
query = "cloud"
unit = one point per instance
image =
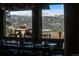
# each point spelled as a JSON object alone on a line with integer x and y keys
{"x": 21, "y": 13}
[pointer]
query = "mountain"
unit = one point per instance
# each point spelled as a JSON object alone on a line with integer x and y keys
{"x": 55, "y": 23}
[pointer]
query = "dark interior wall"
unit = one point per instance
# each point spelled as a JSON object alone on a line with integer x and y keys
{"x": 71, "y": 17}
{"x": 1, "y": 22}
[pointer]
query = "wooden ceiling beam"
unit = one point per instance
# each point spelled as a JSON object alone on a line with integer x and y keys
{"x": 23, "y": 6}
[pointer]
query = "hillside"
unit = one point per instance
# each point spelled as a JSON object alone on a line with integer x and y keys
{"x": 55, "y": 23}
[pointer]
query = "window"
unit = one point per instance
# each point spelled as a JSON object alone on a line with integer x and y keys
{"x": 18, "y": 23}
{"x": 53, "y": 22}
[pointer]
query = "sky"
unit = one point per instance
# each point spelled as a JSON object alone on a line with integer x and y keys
{"x": 54, "y": 10}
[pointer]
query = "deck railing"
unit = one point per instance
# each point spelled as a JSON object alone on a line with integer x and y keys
{"x": 25, "y": 46}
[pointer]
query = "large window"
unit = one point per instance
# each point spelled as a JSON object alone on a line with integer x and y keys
{"x": 18, "y": 23}
{"x": 53, "y": 22}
